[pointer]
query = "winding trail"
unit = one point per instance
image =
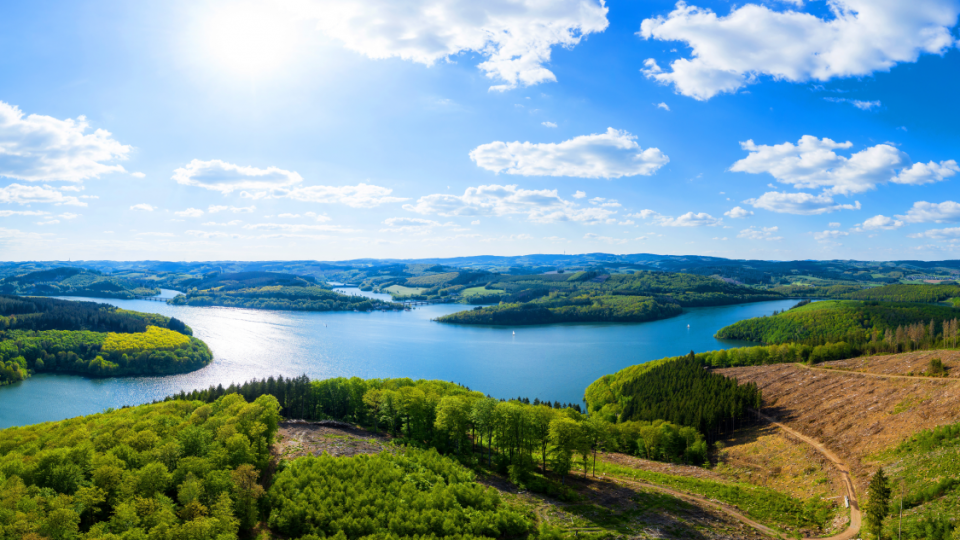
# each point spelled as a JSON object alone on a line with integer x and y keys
{"x": 855, "y": 518}
{"x": 878, "y": 375}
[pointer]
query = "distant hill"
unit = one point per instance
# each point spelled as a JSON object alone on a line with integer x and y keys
{"x": 73, "y": 282}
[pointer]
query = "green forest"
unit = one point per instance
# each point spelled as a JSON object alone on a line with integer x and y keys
{"x": 593, "y": 297}
{"x": 908, "y": 293}
{"x": 898, "y": 326}
{"x": 74, "y": 282}
{"x": 270, "y": 290}
{"x": 46, "y": 335}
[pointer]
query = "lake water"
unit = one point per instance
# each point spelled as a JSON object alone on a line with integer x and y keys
{"x": 547, "y": 362}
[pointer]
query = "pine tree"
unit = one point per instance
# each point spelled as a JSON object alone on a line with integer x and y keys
{"x": 878, "y": 505}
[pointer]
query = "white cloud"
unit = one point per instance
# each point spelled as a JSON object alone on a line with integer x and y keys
{"x": 760, "y": 233}
{"x": 690, "y": 219}
{"x": 606, "y": 155}
{"x": 20, "y": 194}
{"x": 157, "y": 234}
{"x": 812, "y": 163}
{"x": 881, "y": 222}
{"x": 39, "y": 148}
{"x": 51, "y": 222}
{"x": 208, "y": 234}
{"x": 605, "y": 203}
{"x": 227, "y": 224}
{"x": 358, "y": 196}
{"x": 213, "y": 209}
{"x": 828, "y": 236}
{"x": 803, "y": 204}
{"x": 860, "y": 38}
{"x": 542, "y": 206}
{"x": 862, "y": 105}
{"x": 514, "y": 37}
{"x": 604, "y": 239}
{"x": 138, "y": 175}
{"x": 217, "y": 175}
{"x": 548, "y": 124}
{"x": 189, "y": 212}
{"x": 939, "y": 234}
{"x": 295, "y": 227}
{"x": 627, "y": 222}
{"x": 736, "y": 212}
{"x": 579, "y": 195}
{"x": 288, "y": 216}
{"x": 8, "y": 213}
{"x": 409, "y": 225}
{"x": 663, "y": 106}
{"x": 833, "y": 225}
{"x": 143, "y": 206}
{"x": 68, "y": 215}
{"x": 927, "y": 173}
{"x": 925, "y": 212}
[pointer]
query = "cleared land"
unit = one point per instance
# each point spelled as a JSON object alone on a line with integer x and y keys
{"x": 401, "y": 291}
{"x": 907, "y": 364}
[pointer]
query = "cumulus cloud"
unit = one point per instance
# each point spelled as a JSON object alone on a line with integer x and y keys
{"x": 39, "y": 148}
{"x": 736, "y": 212}
{"x": 143, "y": 206}
{"x": 68, "y": 215}
{"x": 358, "y": 196}
{"x": 515, "y": 37}
{"x": 8, "y": 213}
{"x": 939, "y": 234}
{"x": 760, "y": 233}
{"x": 542, "y": 206}
{"x": 663, "y": 106}
{"x": 20, "y": 194}
{"x": 833, "y": 225}
{"x": 803, "y": 204}
{"x": 138, "y": 175}
{"x": 881, "y": 222}
{"x": 862, "y": 105}
{"x": 409, "y": 225}
{"x": 217, "y": 175}
{"x": 579, "y": 195}
{"x": 812, "y": 164}
{"x": 613, "y": 154}
{"x": 213, "y": 209}
{"x": 861, "y": 37}
{"x": 189, "y": 212}
{"x": 690, "y": 219}
{"x": 50, "y": 222}
{"x": 925, "y": 212}
{"x": 548, "y": 124}
{"x": 227, "y": 224}
{"x": 828, "y": 236}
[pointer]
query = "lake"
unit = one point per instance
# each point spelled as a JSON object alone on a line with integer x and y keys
{"x": 553, "y": 363}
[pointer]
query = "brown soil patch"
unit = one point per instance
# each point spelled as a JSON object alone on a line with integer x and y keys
{"x": 296, "y": 439}
{"x": 905, "y": 364}
{"x": 768, "y": 456}
{"x": 852, "y": 414}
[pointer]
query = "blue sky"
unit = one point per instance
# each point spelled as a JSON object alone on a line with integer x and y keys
{"x": 321, "y": 129}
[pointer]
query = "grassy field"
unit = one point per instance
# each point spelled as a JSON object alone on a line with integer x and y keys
{"x": 399, "y": 291}
{"x": 474, "y": 291}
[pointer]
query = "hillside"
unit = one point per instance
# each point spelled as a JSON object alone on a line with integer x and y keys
{"x": 73, "y": 282}
{"x": 594, "y": 297}
{"x": 848, "y": 321}
{"x": 44, "y": 335}
{"x": 269, "y": 290}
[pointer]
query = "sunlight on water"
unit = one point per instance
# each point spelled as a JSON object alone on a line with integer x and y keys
{"x": 549, "y": 362}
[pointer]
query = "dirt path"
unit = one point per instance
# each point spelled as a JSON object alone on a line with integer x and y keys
{"x": 878, "y": 375}
{"x": 700, "y": 501}
{"x": 854, "y": 529}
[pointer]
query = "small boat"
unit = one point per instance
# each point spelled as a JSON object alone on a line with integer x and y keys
{"x": 514, "y": 332}
{"x": 688, "y": 326}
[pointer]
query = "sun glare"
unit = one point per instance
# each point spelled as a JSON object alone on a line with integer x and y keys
{"x": 250, "y": 39}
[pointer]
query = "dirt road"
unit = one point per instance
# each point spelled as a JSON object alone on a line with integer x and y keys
{"x": 878, "y": 375}
{"x": 855, "y": 519}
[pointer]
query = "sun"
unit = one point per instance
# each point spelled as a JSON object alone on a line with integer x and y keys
{"x": 251, "y": 39}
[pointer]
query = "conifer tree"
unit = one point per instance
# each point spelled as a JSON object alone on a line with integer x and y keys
{"x": 878, "y": 504}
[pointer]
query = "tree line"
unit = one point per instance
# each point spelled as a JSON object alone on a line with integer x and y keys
{"x": 39, "y": 314}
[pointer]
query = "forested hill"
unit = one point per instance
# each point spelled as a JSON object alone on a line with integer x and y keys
{"x": 908, "y": 293}
{"x": 73, "y": 282}
{"x": 269, "y": 290}
{"x": 87, "y": 338}
{"x": 848, "y": 321}
{"x": 593, "y": 297}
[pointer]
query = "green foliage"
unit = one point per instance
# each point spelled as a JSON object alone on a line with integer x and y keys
{"x": 165, "y": 471}
{"x": 907, "y": 293}
{"x": 936, "y": 369}
{"x": 592, "y": 297}
{"x": 74, "y": 282}
{"x": 269, "y": 290}
{"x": 849, "y": 321}
{"x": 45, "y": 335}
{"x": 878, "y": 503}
{"x": 407, "y": 494}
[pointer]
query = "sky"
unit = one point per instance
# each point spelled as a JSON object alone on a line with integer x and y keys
{"x": 345, "y": 129}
